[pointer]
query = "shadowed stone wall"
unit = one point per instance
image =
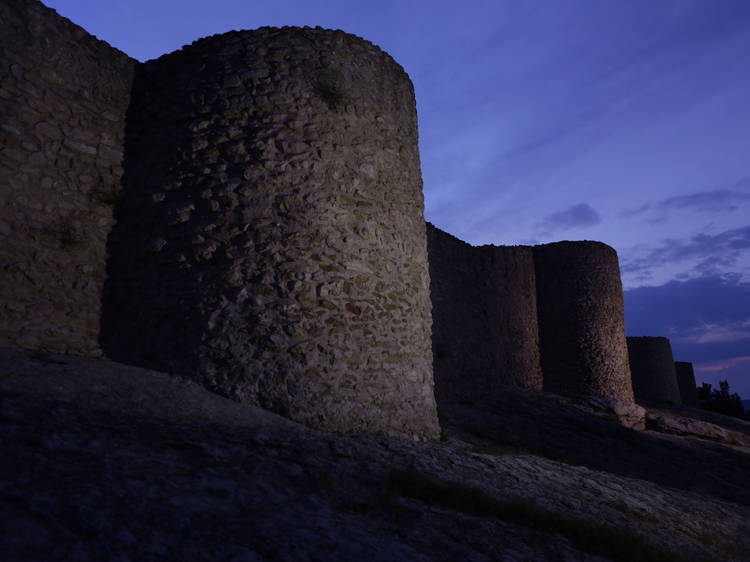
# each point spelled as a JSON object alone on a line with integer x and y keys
{"x": 653, "y": 369}
{"x": 271, "y": 240}
{"x": 547, "y": 316}
{"x": 582, "y": 320}
{"x": 484, "y": 332}
{"x": 63, "y": 98}
{"x": 686, "y": 383}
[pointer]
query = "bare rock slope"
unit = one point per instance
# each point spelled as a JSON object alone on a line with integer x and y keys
{"x": 102, "y": 461}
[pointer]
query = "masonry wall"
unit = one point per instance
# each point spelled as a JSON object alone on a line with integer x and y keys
{"x": 686, "y": 383}
{"x": 271, "y": 240}
{"x": 63, "y": 98}
{"x": 582, "y": 320}
{"x": 653, "y": 369}
{"x": 484, "y": 333}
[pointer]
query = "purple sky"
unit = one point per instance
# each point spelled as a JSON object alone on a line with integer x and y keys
{"x": 621, "y": 121}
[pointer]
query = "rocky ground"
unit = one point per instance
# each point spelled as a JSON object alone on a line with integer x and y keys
{"x": 102, "y": 461}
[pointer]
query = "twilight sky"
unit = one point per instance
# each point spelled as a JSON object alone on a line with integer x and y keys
{"x": 621, "y": 121}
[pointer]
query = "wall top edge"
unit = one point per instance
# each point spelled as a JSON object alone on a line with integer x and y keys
{"x": 647, "y": 338}
{"x": 559, "y": 244}
{"x": 83, "y": 34}
{"x": 308, "y": 32}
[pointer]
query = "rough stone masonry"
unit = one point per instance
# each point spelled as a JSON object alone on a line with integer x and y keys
{"x": 534, "y": 317}
{"x": 271, "y": 240}
{"x": 255, "y": 201}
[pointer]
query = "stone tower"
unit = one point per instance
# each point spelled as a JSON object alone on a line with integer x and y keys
{"x": 271, "y": 241}
{"x": 653, "y": 369}
{"x": 582, "y": 320}
{"x": 686, "y": 383}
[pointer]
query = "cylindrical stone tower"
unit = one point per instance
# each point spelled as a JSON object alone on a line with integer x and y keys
{"x": 686, "y": 383}
{"x": 582, "y": 320}
{"x": 271, "y": 242}
{"x": 484, "y": 318}
{"x": 653, "y": 369}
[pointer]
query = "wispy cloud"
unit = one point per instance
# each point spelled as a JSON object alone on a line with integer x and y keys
{"x": 719, "y": 200}
{"x": 573, "y": 217}
{"x": 711, "y": 251}
{"x": 717, "y": 332}
{"x": 706, "y": 319}
{"x": 722, "y": 200}
{"x": 634, "y": 212}
{"x": 714, "y": 366}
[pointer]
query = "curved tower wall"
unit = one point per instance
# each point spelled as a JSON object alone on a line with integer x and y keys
{"x": 484, "y": 332}
{"x": 582, "y": 320}
{"x": 686, "y": 383}
{"x": 271, "y": 241}
{"x": 653, "y": 369}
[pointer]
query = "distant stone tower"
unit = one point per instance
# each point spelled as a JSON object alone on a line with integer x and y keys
{"x": 484, "y": 334}
{"x": 271, "y": 240}
{"x": 582, "y": 320}
{"x": 686, "y": 383}
{"x": 653, "y": 369}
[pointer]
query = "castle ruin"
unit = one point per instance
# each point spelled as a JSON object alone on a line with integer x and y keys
{"x": 248, "y": 211}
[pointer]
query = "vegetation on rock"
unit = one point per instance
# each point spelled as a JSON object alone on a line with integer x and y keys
{"x": 720, "y": 400}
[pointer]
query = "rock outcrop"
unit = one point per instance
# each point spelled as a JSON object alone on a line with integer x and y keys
{"x": 107, "y": 461}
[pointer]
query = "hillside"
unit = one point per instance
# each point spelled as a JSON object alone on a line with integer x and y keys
{"x": 107, "y": 461}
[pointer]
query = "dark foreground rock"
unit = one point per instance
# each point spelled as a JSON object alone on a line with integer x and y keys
{"x": 101, "y": 461}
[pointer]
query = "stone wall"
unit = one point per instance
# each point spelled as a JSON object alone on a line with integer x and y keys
{"x": 686, "y": 383}
{"x": 582, "y": 320}
{"x": 484, "y": 332}
{"x": 653, "y": 369}
{"x": 548, "y": 316}
{"x": 271, "y": 240}
{"x": 63, "y": 97}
